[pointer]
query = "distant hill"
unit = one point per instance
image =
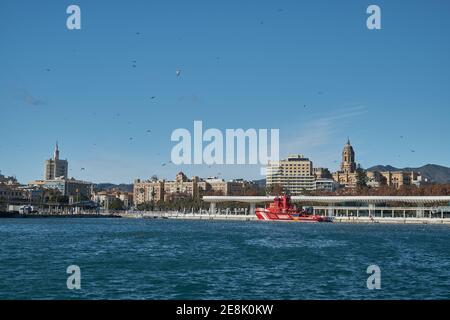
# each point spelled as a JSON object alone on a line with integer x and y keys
{"x": 432, "y": 172}
{"x": 110, "y": 186}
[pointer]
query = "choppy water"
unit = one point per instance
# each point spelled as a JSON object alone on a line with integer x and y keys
{"x": 168, "y": 259}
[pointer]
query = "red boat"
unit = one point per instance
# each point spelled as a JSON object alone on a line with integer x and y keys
{"x": 282, "y": 209}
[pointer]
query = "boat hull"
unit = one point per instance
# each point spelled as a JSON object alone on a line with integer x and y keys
{"x": 264, "y": 214}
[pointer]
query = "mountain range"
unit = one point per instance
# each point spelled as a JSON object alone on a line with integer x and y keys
{"x": 431, "y": 172}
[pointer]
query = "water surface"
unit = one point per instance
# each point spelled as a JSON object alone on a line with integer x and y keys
{"x": 173, "y": 259}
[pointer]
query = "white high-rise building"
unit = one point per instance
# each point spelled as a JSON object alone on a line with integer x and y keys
{"x": 294, "y": 174}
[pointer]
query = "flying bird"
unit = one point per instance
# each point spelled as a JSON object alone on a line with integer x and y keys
{"x": 82, "y": 169}
{"x": 178, "y": 72}
{"x": 149, "y": 131}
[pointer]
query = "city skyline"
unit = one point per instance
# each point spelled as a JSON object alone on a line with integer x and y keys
{"x": 110, "y": 94}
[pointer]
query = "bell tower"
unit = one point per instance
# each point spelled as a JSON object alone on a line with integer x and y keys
{"x": 348, "y": 164}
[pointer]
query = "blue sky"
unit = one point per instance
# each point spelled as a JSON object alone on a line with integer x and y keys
{"x": 245, "y": 64}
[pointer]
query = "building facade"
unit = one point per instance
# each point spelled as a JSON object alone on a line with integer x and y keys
{"x": 67, "y": 187}
{"x": 347, "y": 176}
{"x": 161, "y": 190}
{"x": 323, "y": 184}
{"x": 55, "y": 167}
{"x": 394, "y": 178}
{"x": 105, "y": 198}
{"x": 294, "y": 174}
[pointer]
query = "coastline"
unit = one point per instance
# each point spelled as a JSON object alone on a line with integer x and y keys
{"x": 223, "y": 217}
{"x": 231, "y": 217}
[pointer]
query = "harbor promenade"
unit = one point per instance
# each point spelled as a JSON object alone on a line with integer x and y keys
{"x": 205, "y": 215}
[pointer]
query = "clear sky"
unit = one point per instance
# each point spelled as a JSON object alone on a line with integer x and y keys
{"x": 244, "y": 64}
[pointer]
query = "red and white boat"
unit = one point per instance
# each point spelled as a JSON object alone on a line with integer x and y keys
{"x": 281, "y": 209}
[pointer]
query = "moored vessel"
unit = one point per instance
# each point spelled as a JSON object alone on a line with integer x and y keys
{"x": 282, "y": 209}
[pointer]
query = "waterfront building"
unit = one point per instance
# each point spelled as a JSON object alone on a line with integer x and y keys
{"x": 294, "y": 174}
{"x": 182, "y": 186}
{"x": 148, "y": 191}
{"x": 11, "y": 193}
{"x": 105, "y": 198}
{"x": 67, "y": 187}
{"x": 161, "y": 190}
{"x": 55, "y": 167}
{"x": 347, "y": 175}
{"x": 157, "y": 190}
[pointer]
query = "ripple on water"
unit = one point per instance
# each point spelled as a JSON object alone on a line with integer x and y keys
{"x": 167, "y": 259}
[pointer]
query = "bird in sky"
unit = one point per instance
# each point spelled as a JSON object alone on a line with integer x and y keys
{"x": 148, "y": 131}
{"x": 178, "y": 72}
{"x": 82, "y": 169}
